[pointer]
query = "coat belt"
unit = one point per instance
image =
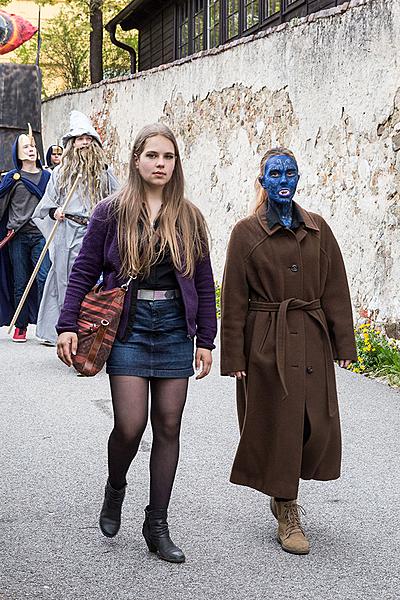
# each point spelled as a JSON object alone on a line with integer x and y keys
{"x": 280, "y": 343}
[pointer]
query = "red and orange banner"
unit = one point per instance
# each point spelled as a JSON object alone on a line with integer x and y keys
{"x": 14, "y": 31}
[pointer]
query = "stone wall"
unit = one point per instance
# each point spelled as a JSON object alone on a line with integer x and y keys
{"x": 327, "y": 86}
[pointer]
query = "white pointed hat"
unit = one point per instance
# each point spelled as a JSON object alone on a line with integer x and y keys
{"x": 79, "y": 124}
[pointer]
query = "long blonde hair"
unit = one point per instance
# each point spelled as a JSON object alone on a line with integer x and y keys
{"x": 91, "y": 163}
{"x": 182, "y": 228}
{"x": 261, "y": 193}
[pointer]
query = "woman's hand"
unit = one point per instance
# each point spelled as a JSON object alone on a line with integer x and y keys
{"x": 344, "y": 363}
{"x": 238, "y": 374}
{"x": 204, "y": 360}
{"x": 67, "y": 345}
{"x": 59, "y": 215}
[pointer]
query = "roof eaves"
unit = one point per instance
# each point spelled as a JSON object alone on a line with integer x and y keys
{"x": 124, "y": 14}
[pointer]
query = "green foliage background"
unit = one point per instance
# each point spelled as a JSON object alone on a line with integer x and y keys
{"x": 64, "y": 53}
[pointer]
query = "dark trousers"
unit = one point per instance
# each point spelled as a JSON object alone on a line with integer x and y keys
{"x": 25, "y": 249}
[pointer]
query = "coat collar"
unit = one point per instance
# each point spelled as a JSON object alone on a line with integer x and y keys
{"x": 309, "y": 222}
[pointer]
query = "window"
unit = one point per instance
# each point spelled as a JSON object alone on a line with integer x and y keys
{"x": 214, "y": 7}
{"x": 232, "y": 18}
{"x": 251, "y": 13}
{"x": 198, "y": 25}
{"x": 272, "y": 7}
{"x": 183, "y": 30}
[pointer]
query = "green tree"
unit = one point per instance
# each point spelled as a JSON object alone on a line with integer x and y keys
{"x": 65, "y": 49}
{"x": 98, "y": 12}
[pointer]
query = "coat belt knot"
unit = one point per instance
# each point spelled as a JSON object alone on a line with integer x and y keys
{"x": 313, "y": 308}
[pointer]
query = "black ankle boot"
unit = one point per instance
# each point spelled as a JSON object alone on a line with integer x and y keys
{"x": 110, "y": 516}
{"x": 155, "y": 532}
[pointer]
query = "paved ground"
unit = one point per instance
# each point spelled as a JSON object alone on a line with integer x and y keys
{"x": 53, "y": 433}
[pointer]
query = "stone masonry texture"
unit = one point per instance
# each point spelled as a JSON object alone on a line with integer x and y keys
{"x": 326, "y": 86}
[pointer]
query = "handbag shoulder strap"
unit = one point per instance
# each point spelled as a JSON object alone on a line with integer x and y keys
{"x": 125, "y": 286}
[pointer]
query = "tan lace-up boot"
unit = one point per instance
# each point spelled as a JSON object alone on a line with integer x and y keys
{"x": 290, "y": 532}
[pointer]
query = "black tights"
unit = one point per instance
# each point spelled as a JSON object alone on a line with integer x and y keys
{"x": 130, "y": 402}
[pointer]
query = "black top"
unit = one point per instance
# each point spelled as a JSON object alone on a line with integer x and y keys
{"x": 273, "y": 217}
{"x": 162, "y": 274}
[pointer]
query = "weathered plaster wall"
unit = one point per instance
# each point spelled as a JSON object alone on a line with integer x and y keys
{"x": 327, "y": 87}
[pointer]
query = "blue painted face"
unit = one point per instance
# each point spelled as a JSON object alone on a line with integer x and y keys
{"x": 280, "y": 178}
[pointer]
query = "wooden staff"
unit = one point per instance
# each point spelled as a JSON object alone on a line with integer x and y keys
{"x": 43, "y": 254}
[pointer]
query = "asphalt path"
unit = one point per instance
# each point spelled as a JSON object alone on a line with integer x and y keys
{"x": 53, "y": 433}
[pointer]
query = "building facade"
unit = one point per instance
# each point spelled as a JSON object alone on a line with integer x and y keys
{"x": 174, "y": 29}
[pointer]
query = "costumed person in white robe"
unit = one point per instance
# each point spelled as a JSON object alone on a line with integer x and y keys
{"x": 83, "y": 153}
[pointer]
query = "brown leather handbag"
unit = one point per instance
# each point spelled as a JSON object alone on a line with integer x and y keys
{"x": 98, "y": 322}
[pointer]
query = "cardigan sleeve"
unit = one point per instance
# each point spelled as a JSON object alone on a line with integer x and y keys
{"x": 86, "y": 270}
{"x": 206, "y": 318}
{"x": 234, "y": 305}
{"x": 336, "y": 302}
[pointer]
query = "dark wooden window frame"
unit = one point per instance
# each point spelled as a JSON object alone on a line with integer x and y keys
{"x": 264, "y": 20}
{"x": 196, "y": 13}
{"x": 250, "y": 4}
{"x": 178, "y": 31}
{"x": 217, "y": 28}
{"x": 229, "y": 15}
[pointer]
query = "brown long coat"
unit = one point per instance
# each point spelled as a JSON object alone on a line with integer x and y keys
{"x": 286, "y": 316}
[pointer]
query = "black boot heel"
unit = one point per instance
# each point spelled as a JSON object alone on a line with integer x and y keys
{"x": 150, "y": 545}
{"x": 110, "y": 515}
{"x": 156, "y": 534}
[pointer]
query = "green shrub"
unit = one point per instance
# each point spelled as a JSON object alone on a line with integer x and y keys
{"x": 378, "y": 355}
{"x": 218, "y": 298}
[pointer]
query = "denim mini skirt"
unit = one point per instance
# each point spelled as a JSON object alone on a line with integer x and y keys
{"x": 158, "y": 346}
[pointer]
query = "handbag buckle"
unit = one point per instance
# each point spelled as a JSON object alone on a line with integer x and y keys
{"x": 125, "y": 285}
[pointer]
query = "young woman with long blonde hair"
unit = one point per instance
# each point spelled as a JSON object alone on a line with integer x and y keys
{"x": 149, "y": 232}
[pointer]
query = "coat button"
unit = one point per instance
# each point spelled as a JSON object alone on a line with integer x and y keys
{"x": 309, "y": 370}
{"x": 294, "y": 268}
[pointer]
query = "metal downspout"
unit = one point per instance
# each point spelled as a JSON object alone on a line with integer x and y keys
{"x": 132, "y": 53}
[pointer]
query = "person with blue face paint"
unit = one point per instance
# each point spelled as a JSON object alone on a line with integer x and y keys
{"x": 286, "y": 317}
{"x": 280, "y": 179}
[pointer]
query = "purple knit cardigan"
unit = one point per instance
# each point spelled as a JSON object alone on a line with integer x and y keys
{"x": 99, "y": 255}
